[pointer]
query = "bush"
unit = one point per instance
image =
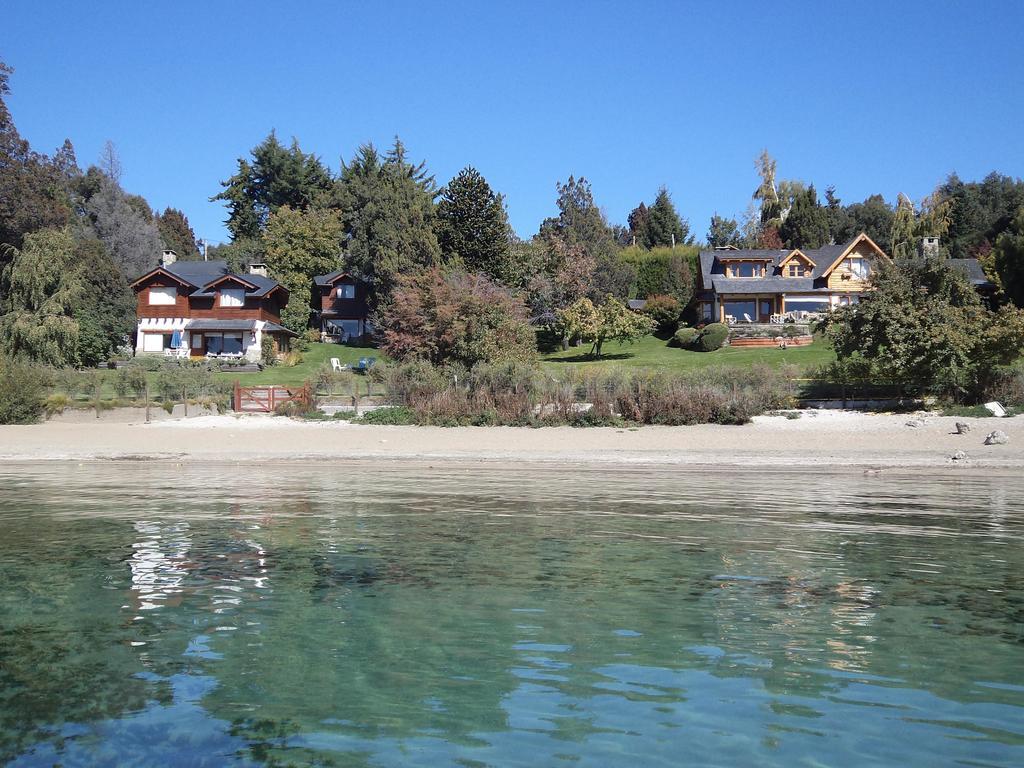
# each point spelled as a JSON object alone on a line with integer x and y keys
{"x": 664, "y": 311}
{"x": 130, "y": 379}
{"x": 268, "y": 353}
{"x": 684, "y": 337}
{"x": 22, "y": 392}
{"x": 397, "y": 416}
{"x": 712, "y": 337}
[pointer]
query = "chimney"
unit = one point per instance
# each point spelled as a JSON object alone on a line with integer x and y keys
{"x": 929, "y": 247}
{"x": 258, "y": 269}
{"x": 167, "y": 258}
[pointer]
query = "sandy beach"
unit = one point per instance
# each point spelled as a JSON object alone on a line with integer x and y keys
{"x": 815, "y": 439}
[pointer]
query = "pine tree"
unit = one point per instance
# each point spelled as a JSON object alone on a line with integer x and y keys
{"x": 177, "y": 234}
{"x": 723, "y": 232}
{"x": 806, "y": 226}
{"x": 472, "y": 227}
{"x": 664, "y": 225}
{"x": 638, "y": 219}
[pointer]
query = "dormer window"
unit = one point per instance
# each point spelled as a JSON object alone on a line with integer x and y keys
{"x": 232, "y": 297}
{"x": 345, "y": 291}
{"x": 744, "y": 269}
{"x": 797, "y": 270}
{"x": 163, "y": 296}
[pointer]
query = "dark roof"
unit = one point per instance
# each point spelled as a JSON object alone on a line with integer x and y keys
{"x": 765, "y": 285}
{"x": 209, "y": 324}
{"x": 201, "y": 273}
{"x": 973, "y": 269}
{"x": 712, "y": 273}
{"x": 332, "y": 276}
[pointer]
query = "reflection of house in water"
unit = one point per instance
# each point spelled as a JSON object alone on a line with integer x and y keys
{"x": 159, "y": 564}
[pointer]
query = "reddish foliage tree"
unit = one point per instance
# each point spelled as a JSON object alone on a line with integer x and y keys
{"x": 769, "y": 238}
{"x": 456, "y": 317}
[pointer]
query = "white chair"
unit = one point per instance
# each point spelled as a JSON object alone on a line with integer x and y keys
{"x": 747, "y": 317}
{"x": 336, "y": 364}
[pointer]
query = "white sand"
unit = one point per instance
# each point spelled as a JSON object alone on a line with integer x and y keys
{"x": 817, "y": 438}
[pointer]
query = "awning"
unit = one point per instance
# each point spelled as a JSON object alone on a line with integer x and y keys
{"x": 222, "y": 325}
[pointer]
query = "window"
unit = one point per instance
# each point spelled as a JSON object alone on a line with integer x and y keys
{"x": 797, "y": 270}
{"x": 705, "y": 311}
{"x": 343, "y": 329}
{"x": 156, "y": 342}
{"x": 232, "y": 297}
{"x": 223, "y": 343}
{"x": 163, "y": 296}
{"x": 858, "y": 266}
{"x": 346, "y": 291}
{"x": 746, "y": 269}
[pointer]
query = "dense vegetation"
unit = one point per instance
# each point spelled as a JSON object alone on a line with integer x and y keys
{"x": 451, "y": 283}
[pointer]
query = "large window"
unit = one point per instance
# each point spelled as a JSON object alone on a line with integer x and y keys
{"x": 858, "y": 266}
{"x": 807, "y": 304}
{"x": 163, "y": 296}
{"x": 343, "y": 329}
{"x": 346, "y": 291}
{"x": 232, "y": 297}
{"x": 745, "y": 269}
{"x": 741, "y": 311}
{"x": 228, "y": 343}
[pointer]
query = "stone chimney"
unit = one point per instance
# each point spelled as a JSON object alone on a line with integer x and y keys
{"x": 929, "y": 248}
{"x": 258, "y": 269}
{"x": 167, "y": 258}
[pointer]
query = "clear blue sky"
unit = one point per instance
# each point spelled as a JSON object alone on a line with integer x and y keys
{"x": 868, "y": 96}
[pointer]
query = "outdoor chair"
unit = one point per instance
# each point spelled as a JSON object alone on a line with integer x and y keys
{"x": 336, "y": 364}
{"x": 747, "y": 317}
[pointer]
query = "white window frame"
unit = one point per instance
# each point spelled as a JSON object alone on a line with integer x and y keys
{"x": 232, "y": 297}
{"x": 858, "y": 266}
{"x": 163, "y": 296}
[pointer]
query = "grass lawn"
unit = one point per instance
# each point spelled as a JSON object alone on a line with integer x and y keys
{"x": 316, "y": 356}
{"x": 652, "y": 352}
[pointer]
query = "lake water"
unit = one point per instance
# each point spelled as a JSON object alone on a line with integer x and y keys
{"x": 347, "y": 615}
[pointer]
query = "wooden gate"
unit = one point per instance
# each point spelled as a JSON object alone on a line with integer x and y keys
{"x": 267, "y": 399}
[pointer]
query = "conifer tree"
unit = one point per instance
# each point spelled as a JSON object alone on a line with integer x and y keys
{"x": 472, "y": 227}
{"x": 806, "y": 225}
{"x": 664, "y": 225}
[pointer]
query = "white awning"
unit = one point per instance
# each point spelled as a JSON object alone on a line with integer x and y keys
{"x": 162, "y": 324}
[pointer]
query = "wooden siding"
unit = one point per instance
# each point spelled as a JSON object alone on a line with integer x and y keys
{"x": 255, "y": 308}
{"x": 345, "y": 309}
{"x": 844, "y": 281}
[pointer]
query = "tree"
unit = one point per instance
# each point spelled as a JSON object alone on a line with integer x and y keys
{"x": 104, "y": 307}
{"x": 766, "y": 193}
{"x": 924, "y": 325}
{"x": 579, "y": 222}
{"x": 177, "y": 234}
{"x": 610, "y": 321}
{"x": 664, "y": 226}
{"x": 40, "y": 289}
{"x": 979, "y": 211}
{"x": 110, "y": 162}
{"x": 611, "y": 276}
{"x": 298, "y": 245}
{"x": 874, "y": 217}
{"x": 472, "y": 226}
{"x": 456, "y": 317}
{"x": 1005, "y": 262}
{"x": 32, "y": 189}
{"x": 130, "y": 237}
{"x": 638, "y": 220}
{"x": 769, "y": 238}
{"x": 807, "y": 224}
{"x": 276, "y": 176}
{"x": 901, "y": 237}
{"x": 838, "y": 217}
{"x": 664, "y": 271}
{"x": 723, "y": 232}
{"x": 664, "y": 311}
{"x": 387, "y": 214}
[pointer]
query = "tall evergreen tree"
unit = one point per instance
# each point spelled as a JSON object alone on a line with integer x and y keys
{"x": 177, "y": 234}
{"x": 638, "y": 220}
{"x": 472, "y": 226}
{"x": 277, "y": 176}
{"x": 806, "y": 226}
{"x": 1005, "y": 263}
{"x": 664, "y": 225}
{"x": 387, "y": 213}
{"x": 723, "y": 232}
{"x": 874, "y": 217}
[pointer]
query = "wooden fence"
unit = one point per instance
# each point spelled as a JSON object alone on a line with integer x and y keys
{"x": 267, "y": 399}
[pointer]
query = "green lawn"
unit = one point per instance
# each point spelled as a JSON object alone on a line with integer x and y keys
{"x": 316, "y": 356}
{"x": 652, "y": 352}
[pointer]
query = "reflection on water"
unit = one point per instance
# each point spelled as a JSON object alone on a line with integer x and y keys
{"x": 352, "y": 615}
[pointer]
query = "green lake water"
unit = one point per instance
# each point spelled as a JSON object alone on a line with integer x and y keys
{"x": 351, "y": 615}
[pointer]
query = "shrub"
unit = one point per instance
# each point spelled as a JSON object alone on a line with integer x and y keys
{"x": 664, "y": 311}
{"x": 712, "y": 337}
{"x": 130, "y": 379}
{"x": 684, "y": 337}
{"x": 22, "y": 392}
{"x": 268, "y": 353}
{"x": 396, "y": 416}
{"x": 295, "y": 409}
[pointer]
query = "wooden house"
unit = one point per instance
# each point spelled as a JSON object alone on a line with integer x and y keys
{"x": 341, "y": 304}
{"x": 202, "y": 309}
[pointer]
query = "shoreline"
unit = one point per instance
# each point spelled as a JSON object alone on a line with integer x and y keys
{"x": 817, "y": 439}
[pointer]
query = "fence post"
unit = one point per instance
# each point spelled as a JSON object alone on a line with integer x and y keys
{"x": 238, "y": 396}
{"x": 147, "y": 399}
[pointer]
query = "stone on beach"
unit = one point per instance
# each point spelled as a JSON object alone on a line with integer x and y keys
{"x": 959, "y": 456}
{"x": 962, "y": 428}
{"x": 997, "y": 437}
{"x": 915, "y": 423}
